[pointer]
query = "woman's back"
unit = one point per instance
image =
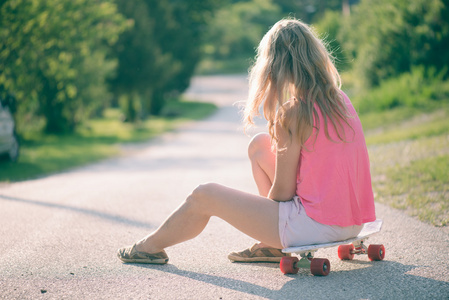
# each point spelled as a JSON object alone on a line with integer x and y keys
{"x": 334, "y": 181}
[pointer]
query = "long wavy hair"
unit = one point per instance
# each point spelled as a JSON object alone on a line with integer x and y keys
{"x": 292, "y": 73}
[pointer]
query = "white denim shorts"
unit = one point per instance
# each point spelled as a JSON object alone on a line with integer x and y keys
{"x": 296, "y": 228}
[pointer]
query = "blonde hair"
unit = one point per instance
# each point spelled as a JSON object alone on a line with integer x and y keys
{"x": 293, "y": 72}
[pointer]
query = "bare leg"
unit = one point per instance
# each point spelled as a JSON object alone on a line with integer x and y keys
{"x": 251, "y": 214}
{"x": 254, "y": 215}
{"x": 263, "y": 162}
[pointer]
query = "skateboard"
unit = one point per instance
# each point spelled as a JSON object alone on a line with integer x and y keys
{"x": 346, "y": 251}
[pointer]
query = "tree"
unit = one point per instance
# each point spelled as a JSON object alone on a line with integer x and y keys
{"x": 158, "y": 55}
{"x": 54, "y": 56}
{"x": 390, "y": 37}
{"x": 191, "y": 20}
{"x": 239, "y": 27}
{"x": 142, "y": 65}
{"x": 308, "y": 11}
{"x": 329, "y": 27}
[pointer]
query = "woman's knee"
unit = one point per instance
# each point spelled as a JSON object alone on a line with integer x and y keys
{"x": 259, "y": 144}
{"x": 200, "y": 197}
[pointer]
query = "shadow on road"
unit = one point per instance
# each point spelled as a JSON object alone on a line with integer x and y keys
{"x": 387, "y": 280}
{"x": 90, "y": 212}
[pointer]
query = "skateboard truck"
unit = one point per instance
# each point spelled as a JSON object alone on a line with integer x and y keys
{"x": 359, "y": 248}
{"x": 347, "y": 252}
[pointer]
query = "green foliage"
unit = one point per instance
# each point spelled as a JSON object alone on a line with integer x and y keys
{"x": 238, "y": 27}
{"x": 60, "y": 61}
{"x": 329, "y": 27}
{"x": 54, "y": 57}
{"x": 237, "y": 30}
{"x": 420, "y": 88}
{"x": 390, "y": 37}
{"x": 308, "y": 11}
{"x": 158, "y": 55}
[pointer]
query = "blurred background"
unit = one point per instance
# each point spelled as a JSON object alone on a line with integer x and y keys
{"x": 77, "y": 77}
{"x": 68, "y": 61}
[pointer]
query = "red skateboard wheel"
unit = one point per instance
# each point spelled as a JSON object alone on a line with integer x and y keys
{"x": 288, "y": 265}
{"x": 345, "y": 252}
{"x": 376, "y": 252}
{"x": 320, "y": 266}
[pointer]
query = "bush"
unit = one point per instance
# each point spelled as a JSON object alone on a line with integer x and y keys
{"x": 389, "y": 37}
{"x": 421, "y": 88}
{"x": 158, "y": 55}
{"x": 329, "y": 27}
{"x": 55, "y": 57}
{"x": 235, "y": 33}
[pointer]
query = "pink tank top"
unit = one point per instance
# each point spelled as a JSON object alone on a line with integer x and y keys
{"x": 334, "y": 181}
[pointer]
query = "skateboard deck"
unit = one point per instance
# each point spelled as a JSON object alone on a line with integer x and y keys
{"x": 346, "y": 251}
{"x": 368, "y": 229}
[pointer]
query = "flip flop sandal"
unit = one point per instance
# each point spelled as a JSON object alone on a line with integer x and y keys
{"x": 255, "y": 254}
{"x": 131, "y": 255}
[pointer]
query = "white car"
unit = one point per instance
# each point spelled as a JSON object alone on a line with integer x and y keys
{"x": 9, "y": 144}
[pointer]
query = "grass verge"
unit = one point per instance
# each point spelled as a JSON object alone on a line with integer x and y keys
{"x": 43, "y": 154}
{"x": 409, "y": 152}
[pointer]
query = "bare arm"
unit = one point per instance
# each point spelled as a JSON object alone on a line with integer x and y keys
{"x": 287, "y": 159}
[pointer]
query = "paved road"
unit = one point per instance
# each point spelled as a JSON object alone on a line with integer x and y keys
{"x": 59, "y": 234}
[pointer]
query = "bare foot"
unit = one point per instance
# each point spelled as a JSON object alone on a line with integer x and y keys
{"x": 262, "y": 245}
{"x": 144, "y": 246}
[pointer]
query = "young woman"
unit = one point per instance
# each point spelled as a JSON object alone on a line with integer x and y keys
{"x": 311, "y": 169}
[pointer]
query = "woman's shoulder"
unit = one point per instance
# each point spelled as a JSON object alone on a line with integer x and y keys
{"x": 345, "y": 98}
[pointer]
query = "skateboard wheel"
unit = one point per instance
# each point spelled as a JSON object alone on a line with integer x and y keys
{"x": 320, "y": 266}
{"x": 288, "y": 265}
{"x": 376, "y": 252}
{"x": 345, "y": 252}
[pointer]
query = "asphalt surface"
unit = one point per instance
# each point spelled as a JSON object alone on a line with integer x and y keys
{"x": 59, "y": 234}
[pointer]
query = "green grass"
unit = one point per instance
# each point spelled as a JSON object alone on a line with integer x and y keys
{"x": 409, "y": 152}
{"x": 43, "y": 154}
{"x": 421, "y": 188}
{"x": 377, "y": 120}
{"x": 408, "y": 124}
